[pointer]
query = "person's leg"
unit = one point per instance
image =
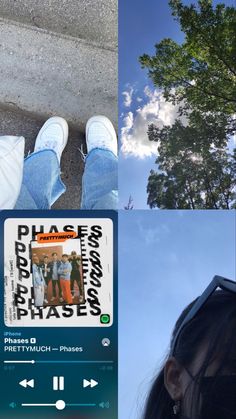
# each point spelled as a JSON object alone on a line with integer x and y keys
{"x": 62, "y": 287}
{"x": 59, "y": 288}
{"x": 72, "y": 282}
{"x": 38, "y": 296}
{"x": 100, "y": 179}
{"x": 81, "y": 289}
{"x": 42, "y": 185}
{"x": 54, "y": 292}
{"x": 67, "y": 296}
{"x": 47, "y": 289}
{"x": 45, "y": 294}
{"x": 80, "y": 285}
{"x": 75, "y": 280}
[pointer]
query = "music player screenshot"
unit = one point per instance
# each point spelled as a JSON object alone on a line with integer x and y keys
{"x": 59, "y": 314}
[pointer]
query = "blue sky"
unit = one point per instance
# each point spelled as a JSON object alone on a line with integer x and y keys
{"x": 141, "y": 26}
{"x": 166, "y": 259}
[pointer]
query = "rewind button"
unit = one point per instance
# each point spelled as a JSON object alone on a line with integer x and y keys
{"x": 27, "y": 383}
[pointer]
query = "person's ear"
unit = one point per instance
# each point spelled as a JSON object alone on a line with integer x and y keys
{"x": 172, "y": 379}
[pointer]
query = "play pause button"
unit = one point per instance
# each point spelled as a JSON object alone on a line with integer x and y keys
{"x": 89, "y": 383}
{"x": 58, "y": 383}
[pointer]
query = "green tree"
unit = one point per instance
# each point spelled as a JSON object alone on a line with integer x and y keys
{"x": 195, "y": 167}
{"x": 201, "y": 73}
{"x": 192, "y": 174}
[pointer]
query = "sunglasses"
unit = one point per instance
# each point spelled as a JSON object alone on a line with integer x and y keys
{"x": 217, "y": 282}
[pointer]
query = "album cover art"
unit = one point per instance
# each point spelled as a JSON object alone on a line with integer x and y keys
{"x": 58, "y": 272}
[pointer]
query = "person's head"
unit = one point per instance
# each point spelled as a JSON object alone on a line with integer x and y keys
{"x": 54, "y": 256}
{"x": 198, "y": 380}
{"x": 64, "y": 257}
{"x": 35, "y": 259}
{"x": 45, "y": 259}
{"x": 73, "y": 254}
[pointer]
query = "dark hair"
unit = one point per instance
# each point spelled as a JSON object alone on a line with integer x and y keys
{"x": 73, "y": 252}
{"x": 54, "y": 253}
{"x": 45, "y": 257}
{"x": 214, "y": 325}
{"x": 65, "y": 255}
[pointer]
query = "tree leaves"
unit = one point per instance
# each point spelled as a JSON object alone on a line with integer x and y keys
{"x": 195, "y": 167}
{"x": 201, "y": 71}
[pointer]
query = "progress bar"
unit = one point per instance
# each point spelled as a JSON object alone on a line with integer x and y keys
{"x": 19, "y": 362}
{"x": 57, "y": 362}
{"x": 59, "y": 405}
{"x": 74, "y": 362}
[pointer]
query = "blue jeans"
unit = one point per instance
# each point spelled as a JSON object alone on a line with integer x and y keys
{"x": 42, "y": 184}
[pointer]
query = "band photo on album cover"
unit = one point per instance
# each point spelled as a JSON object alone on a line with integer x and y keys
{"x": 57, "y": 273}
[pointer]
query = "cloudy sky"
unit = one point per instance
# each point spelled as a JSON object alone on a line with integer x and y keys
{"x": 141, "y": 26}
{"x": 166, "y": 259}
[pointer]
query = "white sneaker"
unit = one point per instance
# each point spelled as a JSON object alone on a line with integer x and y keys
{"x": 100, "y": 133}
{"x": 46, "y": 301}
{"x": 53, "y": 136}
{"x": 61, "y": 299}
{"x": 52, "y": 299}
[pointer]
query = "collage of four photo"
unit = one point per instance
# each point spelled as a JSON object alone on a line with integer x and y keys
{"x": 118, "y": 209}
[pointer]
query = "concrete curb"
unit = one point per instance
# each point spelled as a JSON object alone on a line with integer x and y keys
{"x": 50, "y": 75}
{"x": 86, "y": 19}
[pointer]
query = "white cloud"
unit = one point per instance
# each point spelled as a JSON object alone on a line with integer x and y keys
{"x": 134, "y": 139}
{"x": 152, "y": 235}
{"x": 150, "y": 93}
{"x": 128, "y": 94}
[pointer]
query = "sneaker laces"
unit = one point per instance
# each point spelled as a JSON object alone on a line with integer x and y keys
{"x": 102, "y": 135}
{"x": 49, "y": 144}
{"x": 83, "y": 155}
{"x": 102, "y": 142}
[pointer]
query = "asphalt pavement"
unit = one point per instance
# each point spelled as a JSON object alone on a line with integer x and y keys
{"x": 58, "y": 58}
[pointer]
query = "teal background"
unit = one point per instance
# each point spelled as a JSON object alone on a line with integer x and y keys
{"x": 89, "y": 338}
